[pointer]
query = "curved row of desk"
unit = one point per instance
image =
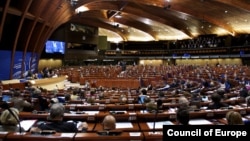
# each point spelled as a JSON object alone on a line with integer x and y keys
{"x": 136, "y": 125}
{"x": 124, "y": 136}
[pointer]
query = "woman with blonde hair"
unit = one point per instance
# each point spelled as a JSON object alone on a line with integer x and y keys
{"x": 234, "y": 118}
{"x": 8, "y": 121}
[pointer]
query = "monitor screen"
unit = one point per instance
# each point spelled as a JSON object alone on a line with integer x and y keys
{"x": 55, "y": 47}
{"x": 6, "y": 98}
{"x": 61, "y": 99}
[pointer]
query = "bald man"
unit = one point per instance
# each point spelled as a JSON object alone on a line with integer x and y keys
{"x": 109, "y": 122}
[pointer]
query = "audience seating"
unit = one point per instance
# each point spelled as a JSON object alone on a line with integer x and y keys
{"x": 131, "y": 113}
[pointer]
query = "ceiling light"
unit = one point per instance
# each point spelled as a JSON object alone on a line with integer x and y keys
{"x": 81, "y": 9}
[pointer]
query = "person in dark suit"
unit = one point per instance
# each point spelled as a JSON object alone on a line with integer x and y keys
{"x": 216, "y": 102}
{"x": 20, "y": 103}
{"x": 182, "y": 116}
{"x": 55, "y": 122}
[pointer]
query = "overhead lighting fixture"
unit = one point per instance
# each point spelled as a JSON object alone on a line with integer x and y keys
{"x": 73, "y": 3}
{"x": 81, "y": 9}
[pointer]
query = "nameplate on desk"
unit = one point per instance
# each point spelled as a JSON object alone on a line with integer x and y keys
{"x": 118, "y": 112}
{"x": 132, "y": 116}
{"x": 109, "y": 133}
{"x": 172, "y": 116}
{"x": 131, "y": 106}
{"x": 77, "y": 112}
{"x": 210, "y": 114}
{"x": 101, "y": 107}
{"x": 155, "y": 133}
{"x": 44, "y": 132}
{"x": 130, "y": 100}
{"x": 91, "y": 118}
{"x": 72, "y": 107}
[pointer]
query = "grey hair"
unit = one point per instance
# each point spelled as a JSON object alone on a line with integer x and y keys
{"x": 183, "y": 102}
{"x": 56, "y": 110}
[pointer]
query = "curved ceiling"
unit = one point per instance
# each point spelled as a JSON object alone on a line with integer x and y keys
{"x": 122, "y": 20}
{"x": 147, "y": 20}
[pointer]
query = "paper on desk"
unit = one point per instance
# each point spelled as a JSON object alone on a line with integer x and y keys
{"x": 134, "y": 133}
{"x": 27, "y": 124}
{"x": 91, "y": 112}
{"x": 199, "y": 122}
{"x": 67, "y": 134}
{"x": 244, "y": 104}
{"x": 172, "y": 110}
{"x": 247, "y": 116}
{"x": 159, "y": 124}
{"x": 124, "y": 125}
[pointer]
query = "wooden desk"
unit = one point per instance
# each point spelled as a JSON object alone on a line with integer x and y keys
{"x": 49, "y": 83}
{"x": 89, "y": 116}
{"x": 3, "y": 135}
{"x": 122, "y": 116}
{"x": 30, "y": 115}
{"x": 153, "y": 136}
{"x": 149, "y": 126}
{"x": 117, "y": 107}
{"x": 146, "y": 116}
{"x": 14, "y": 84}
{"x": 85, "y": 107}
{"x": 124, "y": 126}
{"x": 31, "y": 137}
{"x": 124, "y": 136}
{"x": 140, "y": 106}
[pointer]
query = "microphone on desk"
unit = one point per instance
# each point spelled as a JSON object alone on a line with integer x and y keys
{"x": 4, "y": 105}
{"x": 159, "y": 104}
